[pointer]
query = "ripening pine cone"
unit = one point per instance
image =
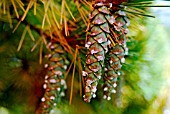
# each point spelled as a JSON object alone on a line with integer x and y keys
{"x": 106, "y": 23}
{"x": 97, "y": 43}
{"x": 116, "y": 53}
{"x": 54, "y": 80}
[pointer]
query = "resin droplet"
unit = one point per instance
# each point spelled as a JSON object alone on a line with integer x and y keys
{"x": 122, "y": 60}
{"x": 62, "y": 82}
{"x": 105, "y": 89}
{"x": 108, "y": 98}
{"x": 94, "y": 95}
{"x": 46, "y": 65}
{"x": 45, "y": 86}
{"x": 113, "y": 91}
{"x": 114, "y": 85}
{"x": 52, "y": 81}
{"x": 52, "y": 98}
{"x": 43, "y": 99}
{"x": 84, "y": 73}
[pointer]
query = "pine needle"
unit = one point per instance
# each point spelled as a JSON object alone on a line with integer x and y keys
{"x": 51, "y": 34}
{"x": 22, "y": 38}
{"x": 10, "y": 19}
{"x": 66, "y": 46}
{"x": 24, "y": 15}
{"x": 27, "y": 9}
{"x": 21, "y": 5}
{"x": 136, "y": 13}
{"x": 55, "y": 20}
{"x": 85, "y": 11}
{"x": 57, "y": 11}
{"x": 80, "y": 75}
{"x": 81, "y": 13}
{"x": 20, "y": 2}
{"x": 15, "y": 8}
{"x": 44, "y": 39}
{"x": 152, "y": 6}
{"x": 45, "y": 13}
{"x": 16, "y": 26}
{"x": 62, "y": 40}
{"x": 35, "y": 7}
{"x": 65, "y": 25}
{"x": 30, "y": 34}
{"x": 135, "y": 9}
{"x": 68, "y": 71}
{"x": 36, "y": 44}
{"x": 70, "y": 11}
{"x": 87, "y": 4}
{"x": 41, "y": 48}
{"x": 114, "y": 37}
{"x": 73, "y": 74}
{"x": 62, "y": 12}
{"x": 4, "y": 7}
{"x": 137, "y": 3}
{"x": 48, "y": 20}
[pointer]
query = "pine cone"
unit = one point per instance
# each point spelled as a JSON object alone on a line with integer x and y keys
{"x": 54, "y": 80}
{"x": 116, "y": 53}
{"x": 97, "y": 43}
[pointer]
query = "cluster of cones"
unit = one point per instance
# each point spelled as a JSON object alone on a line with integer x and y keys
{"x": 106, "y": 45}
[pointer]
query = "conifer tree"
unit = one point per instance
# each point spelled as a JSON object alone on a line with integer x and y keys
{"x": 56, "y": 54}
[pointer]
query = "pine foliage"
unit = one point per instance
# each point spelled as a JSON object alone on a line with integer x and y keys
{"x": 85, "y": 39}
